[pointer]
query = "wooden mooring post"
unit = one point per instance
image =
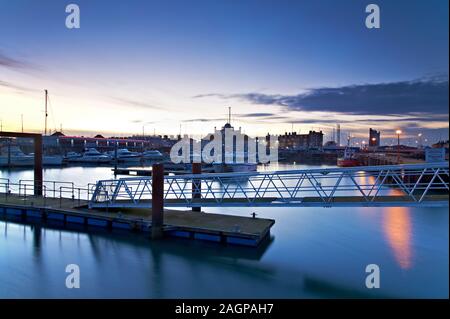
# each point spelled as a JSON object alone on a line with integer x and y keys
{"x": 196, "y": 185}
{"x": 37, "y": 139}
{"x": 157, "y": 200}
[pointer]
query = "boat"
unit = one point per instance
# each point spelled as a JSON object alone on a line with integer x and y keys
{"x": 234, "y": 167}
{"x": 345, "y": 162}
{"x": 348, "y": 160}
{"x": 16, "y": 157}
{"x": 72, "y": 155}
{"x": 152, "y": 155}
{"x": 124, "y": 155}
{"x": 91, "y": 155}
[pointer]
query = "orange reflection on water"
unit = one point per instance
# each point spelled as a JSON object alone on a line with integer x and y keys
{"x": 398, "y": 230}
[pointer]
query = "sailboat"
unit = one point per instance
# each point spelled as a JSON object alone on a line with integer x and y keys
{"x": 50, "y": 159}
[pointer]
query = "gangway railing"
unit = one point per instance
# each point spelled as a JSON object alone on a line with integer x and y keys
{"x": 24, "y": 189}
{"x": 390, "y": 185}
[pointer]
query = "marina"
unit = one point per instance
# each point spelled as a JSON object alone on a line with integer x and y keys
{"x": 293, "y": 261}
{"x": 214, "y": 153}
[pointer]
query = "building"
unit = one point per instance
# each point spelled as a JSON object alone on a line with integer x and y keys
{"x": 58, "y": 143}
{"x": 312, "y": 140}
{"x": 374, "y": 138}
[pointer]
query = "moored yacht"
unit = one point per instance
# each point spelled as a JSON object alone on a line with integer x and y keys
{"x": 124, "y": 155}
{"x": 152, "y": 155}
{"x": 72, "y": 155}
{"x": 91, "y": 156}
{"x": 234, "y": 167}
{"x": 16, "y": 157}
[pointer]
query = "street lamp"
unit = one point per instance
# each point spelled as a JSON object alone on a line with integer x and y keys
{"x": 374, "y": 140}
{"x": 398, "y": 132}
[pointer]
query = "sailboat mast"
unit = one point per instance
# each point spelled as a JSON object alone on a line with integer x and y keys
{"x": 46, "y": 114}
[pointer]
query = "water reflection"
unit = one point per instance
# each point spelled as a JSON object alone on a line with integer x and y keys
{"x": 398, "y": 231}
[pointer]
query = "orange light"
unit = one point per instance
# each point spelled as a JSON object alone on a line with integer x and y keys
{"x": 398, "y": 132}
{"x": 397, "y": 226}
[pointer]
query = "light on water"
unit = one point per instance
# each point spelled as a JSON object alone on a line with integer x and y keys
{"x": 313, "y": 252}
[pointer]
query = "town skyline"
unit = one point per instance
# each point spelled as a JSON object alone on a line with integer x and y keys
{"x": 280, "y": 69}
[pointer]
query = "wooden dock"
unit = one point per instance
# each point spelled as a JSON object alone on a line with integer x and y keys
{"x": 220, "y": 228}
{"x": 374, "y": 159}
{"x": 171, "y": 170}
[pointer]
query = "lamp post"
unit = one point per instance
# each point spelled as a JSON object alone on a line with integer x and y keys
{"x": 398, "y": 132}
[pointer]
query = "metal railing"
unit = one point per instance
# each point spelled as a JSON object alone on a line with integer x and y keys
{"x": 61, "y": 190}
{"x": 390, "y": 185}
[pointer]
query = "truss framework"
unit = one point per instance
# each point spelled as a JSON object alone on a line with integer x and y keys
{"x": 393, "y": 185}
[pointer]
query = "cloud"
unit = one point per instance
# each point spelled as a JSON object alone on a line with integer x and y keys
{"x": 135, "y": 103}
{"x": 199, "y": 96}
{"x": 256, "y": 115}
{"x": 425, "y": 95}
{"x": 203, "y": 120}
{"x": 431, "y": 118}
{"x": 12, "y": 63}
{"x": 10, "y": 85}
{"x": 143, "y": 122}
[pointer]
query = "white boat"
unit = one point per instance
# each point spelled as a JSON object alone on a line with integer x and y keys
{"x": 234, "y": 167}
{"x": 152, "y": 155}
{"x": 124, "y": 155}
{"x": 72, "y": 155}
{"x": 16, "y": 157}
{"x": 91, "y": 156}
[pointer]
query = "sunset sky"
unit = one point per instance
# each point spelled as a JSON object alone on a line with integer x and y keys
{"x": 178, "y": 65}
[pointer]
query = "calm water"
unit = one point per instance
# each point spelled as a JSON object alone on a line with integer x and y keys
{"x": 314, "y": 252}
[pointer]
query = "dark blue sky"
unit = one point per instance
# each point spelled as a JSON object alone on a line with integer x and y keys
{"x": 161, "y": 54}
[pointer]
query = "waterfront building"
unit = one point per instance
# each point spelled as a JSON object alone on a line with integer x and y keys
{"x": 61, "y": 143}
{"x": 374, "y": 138}
{"x": 292, "y": 140}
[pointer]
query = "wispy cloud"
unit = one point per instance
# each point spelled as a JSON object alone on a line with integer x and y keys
{"x": 13, "y": 86}
{"x": 203, "y": 120}
{"x": 425, "y": 95}
{"x": 136, "y": 103}
{"x": 256, "y": 115}
{"x": 143, "y": 122}
{"x": 14, "y": 63}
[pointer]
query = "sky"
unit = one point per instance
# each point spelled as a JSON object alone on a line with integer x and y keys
{"x": 177, "y": 65}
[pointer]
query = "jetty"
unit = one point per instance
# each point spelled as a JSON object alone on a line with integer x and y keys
{"x": 220, "y": 228}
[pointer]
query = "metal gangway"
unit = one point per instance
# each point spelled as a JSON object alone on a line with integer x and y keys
{"x": 369, "y": 186}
